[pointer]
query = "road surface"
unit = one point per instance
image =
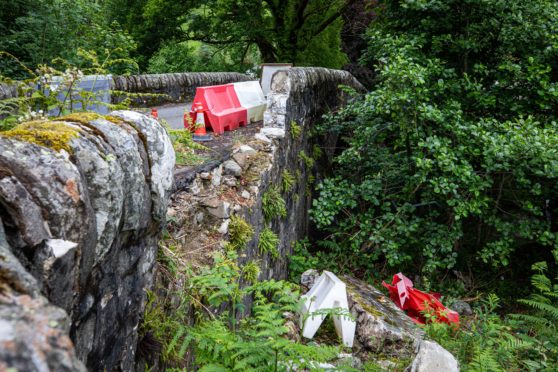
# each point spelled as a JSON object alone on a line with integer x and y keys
{"x": 174, "y": 114}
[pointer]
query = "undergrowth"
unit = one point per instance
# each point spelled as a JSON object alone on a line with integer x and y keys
{"x": 516, "y": 342}
{"x": 201, "y": 323}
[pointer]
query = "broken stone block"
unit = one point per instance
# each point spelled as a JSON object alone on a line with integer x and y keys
{"x": 230, "y": 167}
{"x": 262, "y": 137}
{"x": 229, "y": 181}
{"x": 245, "y": 194}
{"x": 241, "y": 159}
{"x": 273, "y": 132}
{"x": 216, "y": 176}
{"x": 462, "y": 308}
{"x": 245, "y": 149}
{"x": 221, "y": 211}
{"x": 205, "y": 175}
{"x": 308, "y": 278}
{"x": 432, "y": 357}
{"x": 224, "y": 228}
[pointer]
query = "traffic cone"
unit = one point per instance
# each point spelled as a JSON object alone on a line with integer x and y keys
{"x": 200, "y": 133}
{"x": 154, "y": 113}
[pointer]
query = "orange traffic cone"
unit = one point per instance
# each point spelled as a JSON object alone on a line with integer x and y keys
{"x": 200, "y": 133}
{"x": 154, "y": 113}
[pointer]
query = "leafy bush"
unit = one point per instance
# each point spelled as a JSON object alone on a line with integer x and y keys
{"x": 273, "y": 204}
{"x": 268, "y": 243}
{"x": 453, "y": 156}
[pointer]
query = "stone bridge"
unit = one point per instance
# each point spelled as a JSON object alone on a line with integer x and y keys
{"x": 83, "y": 201}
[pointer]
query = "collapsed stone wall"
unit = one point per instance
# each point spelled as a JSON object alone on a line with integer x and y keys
{"x": 206, "y": 201}
{"x": 81, "y": 211}
{"x": 177, "y": 87}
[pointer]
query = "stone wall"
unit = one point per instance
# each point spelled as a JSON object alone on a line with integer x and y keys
{"x": 300, "y": 97}
{"x": 178, "y": 87}
{"x": 7, "y": 91}
{"x": 81, "y": 217}
{"x": 211, "y": 196}
{"x": 155, "y": 89}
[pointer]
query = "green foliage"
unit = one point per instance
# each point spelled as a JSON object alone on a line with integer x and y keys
{"x": 453, "y": 156}
{"x": 45, "y": 30}
{"x": 184, "y": 146}
{"x": 221, "y": 342}
{"x": 297, "y": 31}
{"x": 308, "y": 161}
{"x": 268, "y": 243}
{"x": 250, "y": 272}
{"x": 301, "y": 260}
{"x": 295, "y": 130}
{"x": 57, "y": 92}
{"x": 273, "y": 204}
{"x": 240, "y": 233}
{"x": 287, "y": 181}
{"x": 525, "y": 341}
{"x": 174, "y": 56}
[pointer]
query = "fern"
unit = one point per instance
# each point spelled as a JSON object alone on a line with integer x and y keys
{"x": 484, "y": 361}
{"x": 295, "y": 130}
{"x": 240, "y": 233}
{"x": 268, "y": 243}
{"x": 287, "y": 181}
{"x": 273, "y": 204}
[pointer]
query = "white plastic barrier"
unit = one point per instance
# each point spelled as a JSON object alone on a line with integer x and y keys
{"x": 329, "y": 292}
{"x": 251, "y": 97}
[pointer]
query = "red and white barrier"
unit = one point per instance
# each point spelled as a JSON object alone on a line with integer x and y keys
{"x": 251, "y": 97}
{"x": 226, "y": 107}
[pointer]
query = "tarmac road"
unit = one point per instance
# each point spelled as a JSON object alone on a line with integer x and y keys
{"x": 174, "y": 114}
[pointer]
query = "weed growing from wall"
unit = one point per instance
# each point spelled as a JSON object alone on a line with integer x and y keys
{"x": 308, "y": 161}
{"x": 268, "y": 243}
{"x": 273, "y": 204}
{"x": 295, "y": 130}
{"x": 287, "y": 181}
{"x": 240, "y": 233}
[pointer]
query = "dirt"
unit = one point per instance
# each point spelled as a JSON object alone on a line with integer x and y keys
{"x": 217, "y": 151}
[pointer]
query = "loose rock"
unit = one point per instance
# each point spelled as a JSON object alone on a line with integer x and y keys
{"x": 232, "y": 168}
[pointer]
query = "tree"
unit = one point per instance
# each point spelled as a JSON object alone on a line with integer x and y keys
{"x": 453, "y": 156}
{"x": 283, "y": 31}
{"x": 151, "y": 23}
{"x": 44, "y": 30}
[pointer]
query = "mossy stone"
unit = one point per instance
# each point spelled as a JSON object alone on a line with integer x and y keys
{"x": 55, "y": 135}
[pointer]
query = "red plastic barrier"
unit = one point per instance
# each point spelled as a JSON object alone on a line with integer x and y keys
{"x": 222, "y": 108}
{"x": 416, "y": 302}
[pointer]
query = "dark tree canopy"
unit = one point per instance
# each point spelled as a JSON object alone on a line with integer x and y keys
{"x": 282, "y": 30}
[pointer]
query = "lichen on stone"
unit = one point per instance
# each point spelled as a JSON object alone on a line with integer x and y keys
{"x": 81, "y": 117}
{"x": 55, "y": 135}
